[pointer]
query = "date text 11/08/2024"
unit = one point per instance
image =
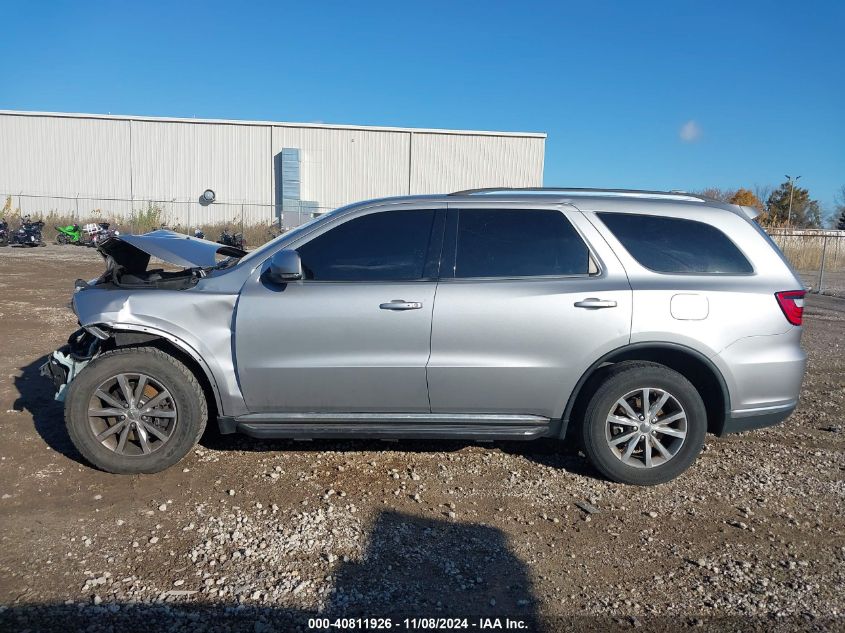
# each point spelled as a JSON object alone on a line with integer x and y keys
{"x": 413, "y": 624}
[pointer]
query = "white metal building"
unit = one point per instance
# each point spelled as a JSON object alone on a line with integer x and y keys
{"x": 259, "y": 170}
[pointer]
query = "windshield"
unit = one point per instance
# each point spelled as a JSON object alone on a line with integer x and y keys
{"x": 292, "y": 234}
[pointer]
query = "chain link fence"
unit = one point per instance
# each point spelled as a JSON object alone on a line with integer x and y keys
{"x": 818, "y": 256}
{"x": 256, "y": 222}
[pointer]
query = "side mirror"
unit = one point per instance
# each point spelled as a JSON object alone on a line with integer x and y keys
{"x": 285, "y": 266}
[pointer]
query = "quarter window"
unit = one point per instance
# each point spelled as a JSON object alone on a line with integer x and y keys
{"x": 518, "y": 243}
{"x": 676, "y": 245}
{"x": 385, "y": 246}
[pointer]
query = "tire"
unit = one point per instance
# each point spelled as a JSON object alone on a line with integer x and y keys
{"x": 684, "y": 403}
{"x": 62, "y": 239}
{"x": 185, "y": 401}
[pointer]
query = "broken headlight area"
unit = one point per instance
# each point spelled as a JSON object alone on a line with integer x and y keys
{"x": 65, "y": 363}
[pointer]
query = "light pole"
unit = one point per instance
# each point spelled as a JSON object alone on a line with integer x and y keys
{"x": 791, "y": 192}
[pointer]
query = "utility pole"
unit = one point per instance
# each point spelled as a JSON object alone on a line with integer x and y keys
{"x": 791, "y": 192}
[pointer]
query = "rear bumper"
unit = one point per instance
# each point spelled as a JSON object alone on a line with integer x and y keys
{"x": 763, "y": 375}
{"x": 748, "y": 420}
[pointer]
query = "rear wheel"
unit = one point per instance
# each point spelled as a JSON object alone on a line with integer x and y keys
{"x": 135, "y": 410}
{"x": 644, "y": 425}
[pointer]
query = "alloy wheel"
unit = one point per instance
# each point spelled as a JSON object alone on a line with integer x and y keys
{"x": 646, "y": 427}
{"x": 132, "y": 414}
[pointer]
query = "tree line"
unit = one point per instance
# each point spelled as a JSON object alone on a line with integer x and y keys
{"x": 773, "y": 204}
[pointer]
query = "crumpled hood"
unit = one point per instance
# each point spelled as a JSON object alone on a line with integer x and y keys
{"x": 133, "y": 252}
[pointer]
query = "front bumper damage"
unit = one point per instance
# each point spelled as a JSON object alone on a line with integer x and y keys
{"x": 65, "y": 363}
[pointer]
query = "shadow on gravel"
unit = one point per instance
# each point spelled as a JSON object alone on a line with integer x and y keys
{"x": 545, "y": 451}
{"x": 413, "y": 568}
{"x": 421, "y": 567}
{"x": 36, "y": 396}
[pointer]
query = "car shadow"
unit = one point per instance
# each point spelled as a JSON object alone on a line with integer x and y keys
{"x": 546, "y": 451}
{"x": 36, "y": 397}
{"x": 412, "y": 567}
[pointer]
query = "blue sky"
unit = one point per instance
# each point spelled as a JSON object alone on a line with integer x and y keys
{"x": 683, "y": 94}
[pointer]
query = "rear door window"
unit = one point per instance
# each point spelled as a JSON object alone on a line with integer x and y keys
{"x": 518, "y": 243}
{"x": 676, "y": 245}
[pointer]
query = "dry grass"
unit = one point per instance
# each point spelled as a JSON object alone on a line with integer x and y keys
{"x": 804, "y": 250}
{"x": 254, "y": 236}
{"x": 142, "y": 221}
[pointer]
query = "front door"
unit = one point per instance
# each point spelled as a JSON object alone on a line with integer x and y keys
{"x": 354, "y": 335}
{"x": 524, "y": 306}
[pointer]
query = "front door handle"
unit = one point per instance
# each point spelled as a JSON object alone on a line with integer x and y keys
{"x": 595, "y": 304}
{"x": 401, "y": 304}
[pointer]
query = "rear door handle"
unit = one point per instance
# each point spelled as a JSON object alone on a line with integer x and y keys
{"x": 595, "y": 304}
{"x": 401, "y": 304}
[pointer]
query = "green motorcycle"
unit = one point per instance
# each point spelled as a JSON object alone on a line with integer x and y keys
{"x": 70, "y": 234}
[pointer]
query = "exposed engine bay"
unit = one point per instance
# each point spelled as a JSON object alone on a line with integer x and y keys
{"x": 119, "y": 277}
{"x": 128, "y": 258}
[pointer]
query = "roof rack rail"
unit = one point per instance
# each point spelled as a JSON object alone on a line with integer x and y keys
{"x": 641, "y": 193}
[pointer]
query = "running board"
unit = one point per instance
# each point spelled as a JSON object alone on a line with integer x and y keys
{"x": 392, "y": 426}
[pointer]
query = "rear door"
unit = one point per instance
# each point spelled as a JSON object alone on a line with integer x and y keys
{"x": 529, "y": 297}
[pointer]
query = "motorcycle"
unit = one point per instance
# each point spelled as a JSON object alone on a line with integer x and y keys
{"x": 29, "y": 233}
{"x": 231, "y": 239}
{"x": 70, "y": 234}
{"x": 199, "y": 234}
{"x": 97, "y": 233}
{"x": 4, "y": 232}
{"x": 104, "y": 233}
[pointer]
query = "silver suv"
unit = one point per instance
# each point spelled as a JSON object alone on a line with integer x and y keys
{"x": 633, "y": 322}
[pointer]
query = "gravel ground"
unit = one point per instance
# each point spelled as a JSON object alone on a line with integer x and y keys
{"x": 833, "y": 283}
{"x": 261, "y": 536}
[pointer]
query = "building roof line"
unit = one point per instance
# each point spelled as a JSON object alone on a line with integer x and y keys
{"x": 326, "y": 126}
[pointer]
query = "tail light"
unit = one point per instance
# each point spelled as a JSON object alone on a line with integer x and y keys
{"x": 792, "y": 304}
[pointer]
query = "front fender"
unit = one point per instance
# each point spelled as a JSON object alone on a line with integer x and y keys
{"x": 198, "y": 323}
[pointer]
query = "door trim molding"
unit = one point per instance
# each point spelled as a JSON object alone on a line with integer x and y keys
{"x": 447, "y": 418}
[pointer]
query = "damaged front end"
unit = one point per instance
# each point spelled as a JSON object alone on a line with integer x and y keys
{"x": 66, "y": 362}
{"x": 128, "y": 258}
{"x": 132, "y": 303}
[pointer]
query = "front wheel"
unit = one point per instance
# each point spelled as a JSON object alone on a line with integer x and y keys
{"x": 644, "y": 425}
{"x": 62, "y": 239}
{"x": 135, "y": 410}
